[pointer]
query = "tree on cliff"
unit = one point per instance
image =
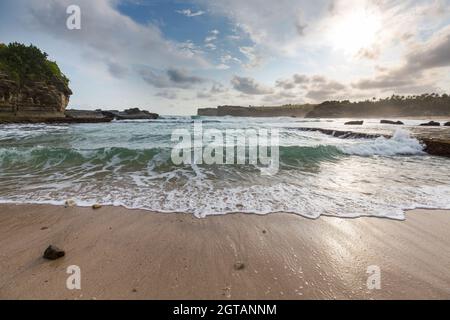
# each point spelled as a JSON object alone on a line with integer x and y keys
{"x": 419, "y": 105}
{"x": 28, "y": 63}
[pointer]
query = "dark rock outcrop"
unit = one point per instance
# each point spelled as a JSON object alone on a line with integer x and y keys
{"x": 53, "y": 253}
{"x": 447, "y": 124}
{"x": 130, "y": 114}
{"x": 431, "y": 124}
{"x": 86, "y": 116}
{"x": 354, "y": 123}
{"x": 437, "y": 147}
{"x": 392, "y": 122}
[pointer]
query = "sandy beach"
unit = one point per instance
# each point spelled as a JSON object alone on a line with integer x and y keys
{"x": 132, "y": 254}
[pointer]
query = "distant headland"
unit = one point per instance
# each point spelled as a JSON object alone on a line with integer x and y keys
{"x": 425, "y": 105}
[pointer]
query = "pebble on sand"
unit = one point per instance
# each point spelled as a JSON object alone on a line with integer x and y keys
{"x": 53, "y": 253}
{"x": 70, "y": 203}
{"x": 96, "y": 206}
{"x": 239, "y": 265}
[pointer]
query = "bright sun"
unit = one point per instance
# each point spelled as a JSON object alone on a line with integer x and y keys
{"x": 355, "y": 30}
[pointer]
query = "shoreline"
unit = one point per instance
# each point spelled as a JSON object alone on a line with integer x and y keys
{"x": 62, "y": 205}
{"x": 136, "y": 254}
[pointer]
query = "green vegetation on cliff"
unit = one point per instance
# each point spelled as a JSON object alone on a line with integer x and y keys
{"x": 395, "y": 106}
{"x": 28, "y": 63}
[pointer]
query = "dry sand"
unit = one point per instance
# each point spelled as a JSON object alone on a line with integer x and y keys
{"x": 126, "y": 254}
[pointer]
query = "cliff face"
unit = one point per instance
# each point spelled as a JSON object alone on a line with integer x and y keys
{"x": 32, "y": 100}
{"x": 430, "y": 106}
{"x": 420, "y": 106}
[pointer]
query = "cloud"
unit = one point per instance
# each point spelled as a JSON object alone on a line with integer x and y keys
{"x": 210, "y": 46}
{"x": 249, "y": 86}
{"x": 170, "y": 95}
{"x": 212, "y": 35}
{"x": 227, "y": 58}
{"x": 105, "y": 32}
{"x": 314, "y": 87}
{"x": 216, "y": 90}
{"x": 222, "y": 66}
{"x": 273, "y": 24}
{"x": 190, "y": 49}
{"x": 301, "y": 28}
{"x": 253, "y": 58}
{"x": 422, "y": 57}
{"x": 181, "y": 76}
{"x": 210, "y": 39}
{"x": 117, "y": 70}
{"x": 172, "y": 78}
{"x": 189, "y": 13}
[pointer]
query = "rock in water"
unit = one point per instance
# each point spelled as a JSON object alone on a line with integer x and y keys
{"x": 431, "y": 124}
{"x": 354, "y": 123}
{"x": 130, "y": 114}
{"x": 53, "y": 253}
{"x": 96, "y": 206}
{"x": 391, "y": 122}
{"x": 447, "y": 124}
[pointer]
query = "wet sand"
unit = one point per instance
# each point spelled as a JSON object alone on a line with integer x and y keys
{"x": 132, "y": 254}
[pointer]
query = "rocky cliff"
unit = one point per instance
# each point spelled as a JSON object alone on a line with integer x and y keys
{"x": 425, "y": 105}
{"x": 33, "y": 100}
{"x": 32, "y": 87}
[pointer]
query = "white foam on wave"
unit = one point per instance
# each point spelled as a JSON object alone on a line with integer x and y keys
{"x": 400, "y": 144}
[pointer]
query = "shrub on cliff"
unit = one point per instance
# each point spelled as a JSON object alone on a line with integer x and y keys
{"x": 28, "y": 63}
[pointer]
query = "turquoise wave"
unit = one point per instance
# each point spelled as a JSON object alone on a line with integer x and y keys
{"x": 40, "y": 157}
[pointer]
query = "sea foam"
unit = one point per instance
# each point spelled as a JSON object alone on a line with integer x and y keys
{"x": 401, "y": 143}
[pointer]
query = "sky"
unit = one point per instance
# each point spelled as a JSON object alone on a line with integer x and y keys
{"x": 174, "y": 56}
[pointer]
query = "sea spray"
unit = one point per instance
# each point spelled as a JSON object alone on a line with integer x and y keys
{"x": 401, "y": 143}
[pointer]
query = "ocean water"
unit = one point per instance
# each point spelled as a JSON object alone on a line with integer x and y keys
{"x": 128, "y": 163}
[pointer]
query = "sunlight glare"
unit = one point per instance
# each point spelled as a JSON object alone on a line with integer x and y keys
{"x": 355, "y": 31}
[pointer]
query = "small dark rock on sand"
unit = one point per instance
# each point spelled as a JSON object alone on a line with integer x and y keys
{"x": 96, "y": 206}
{"x": 392, "y": 122}
{"x": 53, "y": 253}
{"x": 354, "y": 123}
{"x": 431, "y": 124}
{"x": 239, "y": 266}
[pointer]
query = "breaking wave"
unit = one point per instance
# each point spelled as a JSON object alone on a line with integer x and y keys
{"x": 129, "y": 164}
